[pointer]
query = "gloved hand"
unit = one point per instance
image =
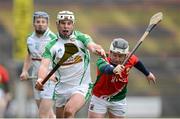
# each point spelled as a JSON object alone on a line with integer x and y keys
{"x": 118, "y": 69}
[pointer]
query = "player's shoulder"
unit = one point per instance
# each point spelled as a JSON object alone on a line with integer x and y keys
{"x": 101, "y": 61}
{"x": 80, "y": 35}
{"x": 77, "y": 33}
{"x": 30, "y": 37}
{"x": 51, "y": 34}
{"x": 134, "y": 56}
{"x": 133, "y": 59}
{"x": 51, "y": 43}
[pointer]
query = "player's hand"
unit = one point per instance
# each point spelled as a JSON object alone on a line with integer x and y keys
{"x": 118, "y": 69}
{"x": 152, "y": 78}
{"x": 39, "y": 85}
{"x": 53, "y": 78}
{"x": 101, "y": 52}
{"x": 24, "y": 75}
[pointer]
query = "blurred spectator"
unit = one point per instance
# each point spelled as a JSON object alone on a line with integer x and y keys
{"x": 4, "y": 91}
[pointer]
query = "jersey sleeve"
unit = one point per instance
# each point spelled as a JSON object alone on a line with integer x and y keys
{"x": 47, "y": 52}
{"x": 52, "y": 35}
{"x": 140, "y": 66}
{"x": 133, "y": 60}
{"x": 28, "y": 43}
{"x": 101, "y": 63}
{"x": 84, "y": 38}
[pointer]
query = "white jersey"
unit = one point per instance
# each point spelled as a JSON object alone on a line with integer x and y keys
{"x": 76, "y": 70}
{"x": 36, "y": 47}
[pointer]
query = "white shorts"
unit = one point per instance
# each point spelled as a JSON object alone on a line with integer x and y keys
{"x": 1, "y": 93}
{"x": 66, "y": 91}
{"x": 101, "y": 106}
{"x": 48, "y": 91}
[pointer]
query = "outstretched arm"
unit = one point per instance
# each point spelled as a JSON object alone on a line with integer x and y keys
{"x": 27, "y": 63}
{"x": 43, "y": 71}
{"x": 44, "y": 67}
{"x": 150, "y": 77}
{"x": 96, "y": 49}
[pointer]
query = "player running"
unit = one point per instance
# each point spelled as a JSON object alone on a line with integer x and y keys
{"x": 110, "y": 88}
{"x": 35, "y": 46}
{"x": 74, "y": 74}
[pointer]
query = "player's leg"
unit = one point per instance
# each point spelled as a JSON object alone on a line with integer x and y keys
{"x": 118, "y": 109}
{"x": 60, "y": 112}
{"x": 46, "y": 109}
{"x": 95, "y": 115}
{"x": 46, "y": 102}
{"x": 115, "y": 116}
{"x": 97, "y": 108}
{"x": 74, "y": 104}
{"x": 2, "y": 103}
{"x": 51, "y": 113}
{"x": 60, "y": 101}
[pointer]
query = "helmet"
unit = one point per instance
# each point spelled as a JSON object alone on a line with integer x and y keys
{"x": 119, "y": 45}
{"x": 66, "y": 15}
{"x": 40, "y": 14}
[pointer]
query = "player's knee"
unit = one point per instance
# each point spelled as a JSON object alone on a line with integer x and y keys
{"x": 43, "y": 112}
{"x": 69, "y": 112}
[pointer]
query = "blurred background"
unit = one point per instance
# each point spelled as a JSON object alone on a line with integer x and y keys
{"x": 103, "y": 20}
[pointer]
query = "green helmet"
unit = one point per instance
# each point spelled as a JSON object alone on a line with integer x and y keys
{"x": 119, "y": 45}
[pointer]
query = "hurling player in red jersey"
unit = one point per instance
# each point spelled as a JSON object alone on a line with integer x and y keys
{"x": 4, "y": 90}
{"x": 110, "y": 88}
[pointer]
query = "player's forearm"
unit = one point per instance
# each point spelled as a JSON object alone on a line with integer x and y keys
{"x": 42, "y": 72}
{"x": 104, "y": 66}
{"x": 43, "y": 69}
{"x": 139, "y": 65}
{"x": 27, "y": 63}
{"x": 107, "y": 69}
{"x": 93, "y": 47}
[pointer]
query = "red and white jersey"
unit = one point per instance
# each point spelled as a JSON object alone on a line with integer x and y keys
{"x": 110, "y": 84}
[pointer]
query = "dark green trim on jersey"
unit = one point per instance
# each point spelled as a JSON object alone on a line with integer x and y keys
{"x": 100, "y": 63}
{"x": 121, "y": 95}
{"x": 47, "y": 53}
{"x": 30, "y": 34}
{"x": 1, "y": 86}
{"x": 86, "y": 62}
{"x": 88, "y": 94}
{"x": 52, "y": 36}
{"x": 82, "y": 37}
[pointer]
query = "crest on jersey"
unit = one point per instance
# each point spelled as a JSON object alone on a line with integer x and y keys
{"x": 91, "y": 107}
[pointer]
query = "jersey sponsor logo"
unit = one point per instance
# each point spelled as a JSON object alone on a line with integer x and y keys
{"x": 118, "y": 78}
{"x": 73, "y": 60}
{"x": 59, "y": 50}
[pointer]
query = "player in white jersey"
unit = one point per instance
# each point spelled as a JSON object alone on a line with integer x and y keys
{"x": 35, "y": 44}
{"x": 74, "y": 75}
